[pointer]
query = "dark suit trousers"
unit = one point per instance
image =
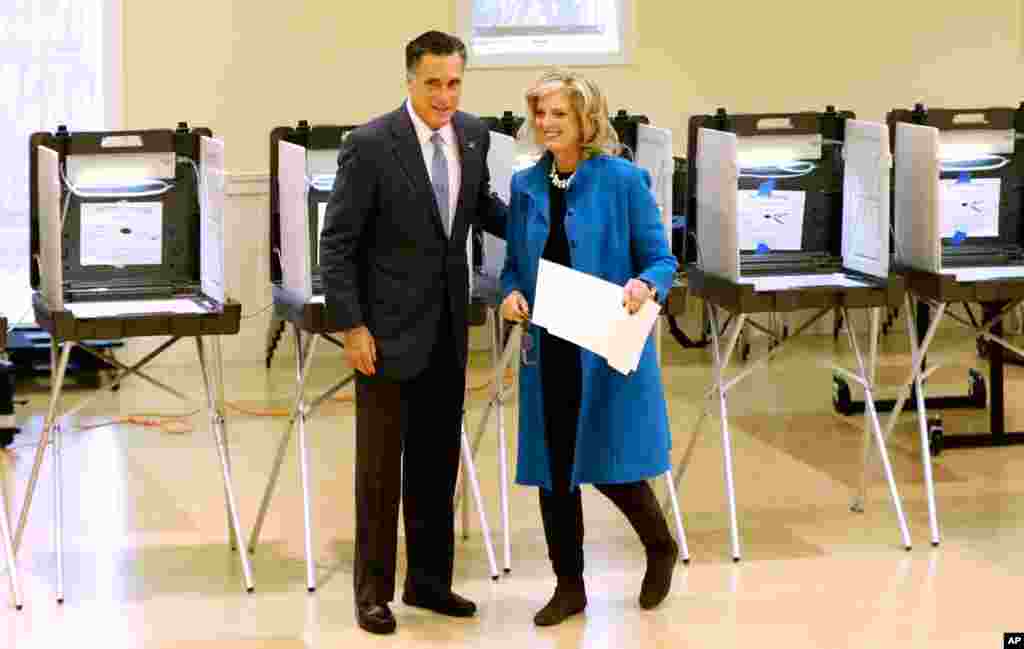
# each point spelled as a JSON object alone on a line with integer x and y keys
{"x": 421, "y": 416}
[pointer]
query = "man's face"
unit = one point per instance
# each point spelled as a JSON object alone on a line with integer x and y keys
{"x": 436, "y": 87}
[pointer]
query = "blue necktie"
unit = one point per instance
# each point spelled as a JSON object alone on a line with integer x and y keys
{"x": 439, "y": 179}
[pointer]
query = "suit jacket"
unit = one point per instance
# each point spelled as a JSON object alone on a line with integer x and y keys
{"x": 385, "y": 260}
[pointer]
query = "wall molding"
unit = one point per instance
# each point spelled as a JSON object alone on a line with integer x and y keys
{"x": 247, "y": 183}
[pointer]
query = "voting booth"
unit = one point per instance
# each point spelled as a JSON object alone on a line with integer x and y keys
{"x": 127, "y": 241}
{"x": 959, "y": 238}
{"x": 303, "y": 169}
{"x": 791, "y": 212}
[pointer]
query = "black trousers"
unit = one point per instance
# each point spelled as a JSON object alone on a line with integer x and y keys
{"x": 561, "y": 508}
{"x": 421, "y": 420}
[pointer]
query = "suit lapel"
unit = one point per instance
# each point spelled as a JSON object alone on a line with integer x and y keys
{"x": 410, "y": 158}
{"x": 470, "y": 168}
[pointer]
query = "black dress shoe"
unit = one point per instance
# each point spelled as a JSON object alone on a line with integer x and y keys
{"x": 448, "y": 603}
{"x": 375, "y": 618}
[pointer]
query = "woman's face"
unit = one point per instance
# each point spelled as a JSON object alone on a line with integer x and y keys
{"x": 557, "y": 123}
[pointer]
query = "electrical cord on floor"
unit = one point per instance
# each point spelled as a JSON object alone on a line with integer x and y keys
{"x": 180, "y": 424}
{"x": 348, "y": 397}
{"x": 174, "y": 424}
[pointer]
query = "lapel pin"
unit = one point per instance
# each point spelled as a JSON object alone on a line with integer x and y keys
{"x": 471, "y": 144}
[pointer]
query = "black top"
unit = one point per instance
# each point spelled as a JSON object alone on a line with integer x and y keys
{"x": 557, "y": 247}
{"x": 560, "y": 368}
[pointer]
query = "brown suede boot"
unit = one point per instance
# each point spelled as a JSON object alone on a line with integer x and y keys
{"x": 657, "y": 583}
{"x": 637, "y": 502}
{"x": 569, "y": 599}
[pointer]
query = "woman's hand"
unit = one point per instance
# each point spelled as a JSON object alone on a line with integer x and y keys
{"x": 514, "y": 307}
{"x": 635, "y": 294}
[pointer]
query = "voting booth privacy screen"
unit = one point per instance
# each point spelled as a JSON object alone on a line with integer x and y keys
{"x": 958, "y": 187}
{"x": 311, "y": 180}
{"x": 126, "y": 215}
{"x": 801, "y": 193}
{"x": 303, "y": 166}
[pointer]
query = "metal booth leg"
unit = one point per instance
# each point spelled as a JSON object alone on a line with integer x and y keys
{"x": 869, "y": 401}
{"x": 219, "y": 429}
{"x": 469, "y": 471}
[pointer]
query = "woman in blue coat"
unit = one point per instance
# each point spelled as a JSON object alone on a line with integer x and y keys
{"x": 580, "y": 421}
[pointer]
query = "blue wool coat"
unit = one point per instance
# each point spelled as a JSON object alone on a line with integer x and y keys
{"x": 614, "y": 232}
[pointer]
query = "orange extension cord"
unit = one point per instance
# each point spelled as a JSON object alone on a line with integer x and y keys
{"x": 181, "y": 424}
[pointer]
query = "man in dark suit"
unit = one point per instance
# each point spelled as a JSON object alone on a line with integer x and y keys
{"x": 410, "y": 185}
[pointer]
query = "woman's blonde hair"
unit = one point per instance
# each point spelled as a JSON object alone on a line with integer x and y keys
{"x": 589, "y": 103}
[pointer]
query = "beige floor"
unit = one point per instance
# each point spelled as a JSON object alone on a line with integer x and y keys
{"x": 147, "y": 564}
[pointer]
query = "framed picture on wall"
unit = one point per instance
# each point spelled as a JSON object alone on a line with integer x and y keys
{"x": 504, "y": 33}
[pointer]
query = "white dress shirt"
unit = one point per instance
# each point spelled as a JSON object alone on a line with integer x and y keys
{"x": 451, "y": 151}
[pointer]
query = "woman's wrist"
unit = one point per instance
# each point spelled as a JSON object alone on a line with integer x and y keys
{"x": 650, "y": 287}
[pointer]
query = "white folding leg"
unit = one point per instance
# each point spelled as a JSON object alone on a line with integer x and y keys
{"x": 217, "y": 373}
{"x": 58, "y": 494}
{"x": 677, "y": 517}
{"x": 732, "y": 338}
{"x": 469, "y": 470}
{"x": 462, "y": 491}
{"x": 56, "y": 385}
{"x": 58, "y": 367}
{"x": 497, "y": 336}
{"x": 300, "y": 412}
{"x": 922, "y": 429}
{"x": 307, "y": 515}
{"x": 8, "y": 543}
{"x": 869, "y": 400}
{"x": 723, "y": 413}
{"x": 919, "y": 351}
{"x": 58, "y": 508}
{"x": 916, "y": 371}
{"x": 503, "y": 358}
{"x": 218, "y": 427}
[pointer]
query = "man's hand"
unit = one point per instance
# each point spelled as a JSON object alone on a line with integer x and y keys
{"x": 514, "y": 307}
{"x": 635, "y": 294}
{"x": 360, "y": 350}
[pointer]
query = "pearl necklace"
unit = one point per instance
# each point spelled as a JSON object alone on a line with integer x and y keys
{"x": 558, "y": 182}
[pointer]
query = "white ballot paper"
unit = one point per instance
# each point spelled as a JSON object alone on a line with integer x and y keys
{"x": 971, "y": 208}
{"x": 790, "y": 282}
{"x": 588, "y": 311}
{"x": 122, "y": 234}
{"x": 774, "y": 221}
{"x": 87, "y": 310}
{"x": 628, "y": 334}
{"x": 985, "y": 273}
